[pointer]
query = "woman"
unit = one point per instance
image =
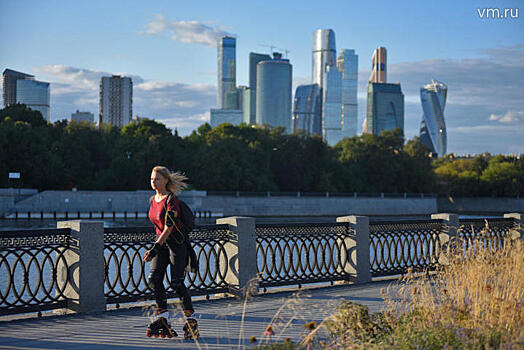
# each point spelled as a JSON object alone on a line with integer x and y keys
{"x": 170, "y": 249}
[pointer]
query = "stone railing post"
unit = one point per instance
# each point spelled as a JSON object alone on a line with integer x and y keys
{"x": 85, "y": 260}
{"x": 518, "y": 232}
{"x": 242, "y": 271}
{"x": 447, "y": 237}
{"x": 358, "y": 248}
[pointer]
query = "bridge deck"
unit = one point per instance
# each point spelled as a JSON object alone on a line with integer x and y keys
{"x": 224, "y": 323}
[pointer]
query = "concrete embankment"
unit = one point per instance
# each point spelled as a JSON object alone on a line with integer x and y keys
{"x": 480, "y": 205}
{"x": 292, "y": 205}
{"x": 229, "y": 205}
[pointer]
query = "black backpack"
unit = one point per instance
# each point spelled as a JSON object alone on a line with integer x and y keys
{"x": 187, "y": 216}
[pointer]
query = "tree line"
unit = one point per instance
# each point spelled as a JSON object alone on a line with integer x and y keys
{"x": 65, "y": 155}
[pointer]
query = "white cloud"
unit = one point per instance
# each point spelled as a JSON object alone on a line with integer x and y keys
{"x": 184, "y": 31}
{"x": 509, "y": 117}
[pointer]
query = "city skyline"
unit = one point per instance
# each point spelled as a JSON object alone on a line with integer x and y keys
{"x": 166, "y": 49}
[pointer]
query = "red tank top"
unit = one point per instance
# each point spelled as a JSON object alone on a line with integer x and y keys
{"x": 157, "y": 212}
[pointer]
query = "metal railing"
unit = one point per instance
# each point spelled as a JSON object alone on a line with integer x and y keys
{"x": 489, "y": 233}
{"x": 126, "y": 274}
{"x": 290, "y": 254}
{"x": 34, "y": 270}
{"x": 397, "y": 245}
{"x": 37, "y": 269}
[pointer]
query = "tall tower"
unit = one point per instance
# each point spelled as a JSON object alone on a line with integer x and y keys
{"x": 116, "y": 100}
{"x": 9, "y": 83}
{"x": 347, "y": 63}
{"x": 226, "y": 73}
{"x": 273, "y": 96}
{"x": 433, "y": 126}
{"x": 307, "y": 110}
{"x": 324, "y": 53}
{"x": 332, "y": 105}
{"x": 35, "y": 95}
{"x": 379, "y": 66}
{"x": 251, "y": 94}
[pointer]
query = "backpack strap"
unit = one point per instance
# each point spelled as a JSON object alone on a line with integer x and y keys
{"x": 170, "y": 217}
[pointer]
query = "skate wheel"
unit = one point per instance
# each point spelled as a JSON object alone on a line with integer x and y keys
{"x": 169, "y": 335}
{"x": 155, "y": 335}
{"x": 148, "y": 333}
{"x": 162, "y": 335}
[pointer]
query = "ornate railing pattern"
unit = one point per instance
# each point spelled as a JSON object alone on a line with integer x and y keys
{"x": 395, "y": 246}
{"x": 126, "y": 274}
{"x": 289, "y": 254}
{"x": 490, "y": 233}
{"x": 33, "y": 270}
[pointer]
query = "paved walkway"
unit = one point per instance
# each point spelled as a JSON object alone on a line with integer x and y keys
{"x": 226, "y": 323}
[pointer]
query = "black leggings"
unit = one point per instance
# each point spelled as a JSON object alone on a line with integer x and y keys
{"x": 174, "y": 255}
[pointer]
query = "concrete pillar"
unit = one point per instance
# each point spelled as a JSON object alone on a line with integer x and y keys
{"x": 518, "y": 232}
{"x": 358, "y": 247}
{"x": 85, "y": 259}
{"x": 448, "y": 236}
{"x": 242, "y": 271}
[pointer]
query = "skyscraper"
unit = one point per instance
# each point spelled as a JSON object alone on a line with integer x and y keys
{"x": 226, "y": 73}
{"x": 35, "y": 95}
{"x": 251, "y": 100}
{"x": 332, "y": 105}
{"x": 385, "y": 108}
{"x": 9, "y": 85}
{"x": 307, "y": 110}
{"x": 385, "y": 102}
{"x": 273, "y": 93}
{"x": 433, "y": 126}
{"x": 324, "y": 53}
{"x": 116, "y": 100}
{"x": 347, "y": 63}
{"x": 379, "y": 66}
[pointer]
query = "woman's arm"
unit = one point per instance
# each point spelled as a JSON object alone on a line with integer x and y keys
{"x": 165, "y": 234}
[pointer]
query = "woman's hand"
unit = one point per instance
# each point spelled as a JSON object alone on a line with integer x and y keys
{"x": 147, "y": 258}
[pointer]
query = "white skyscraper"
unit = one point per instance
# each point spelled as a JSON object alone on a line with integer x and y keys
{"x": 116, "y": 100}
{"x": 35, "y": 95}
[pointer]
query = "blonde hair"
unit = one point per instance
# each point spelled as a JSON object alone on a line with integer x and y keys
{"x": 175, "y": 181}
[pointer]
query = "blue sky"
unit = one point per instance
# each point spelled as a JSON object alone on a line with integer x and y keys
{"x": 168, "y": 47}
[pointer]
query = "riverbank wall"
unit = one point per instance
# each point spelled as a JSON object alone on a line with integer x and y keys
{"x": 246, "y": 204}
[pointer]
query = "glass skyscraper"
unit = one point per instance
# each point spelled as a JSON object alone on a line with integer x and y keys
{"x": 347, "y": 63}
{"x": 227, "y": 73}
{"x": 250, "y": 98}
{"x": 307, "y": 110}
{"x": 35, "y": 95}
{"x": 273, "y": 92}
{"x": 332, "y": 106}
{"x": 10, "y": 78}
{"x": 385, "y": 108}
{"x": 433, "y": 126}
{"x": 324, "y": 53}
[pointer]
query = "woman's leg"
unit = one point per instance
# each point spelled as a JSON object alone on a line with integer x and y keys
{"x": 156, "y": 277}
{"x": 178, "y": 259}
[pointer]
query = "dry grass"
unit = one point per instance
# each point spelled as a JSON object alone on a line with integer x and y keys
{"x": 475, "y": 302}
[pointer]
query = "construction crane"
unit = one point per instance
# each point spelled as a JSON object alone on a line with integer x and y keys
{"x": 271, "y": 47}
{"x": 285, "y": 50}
